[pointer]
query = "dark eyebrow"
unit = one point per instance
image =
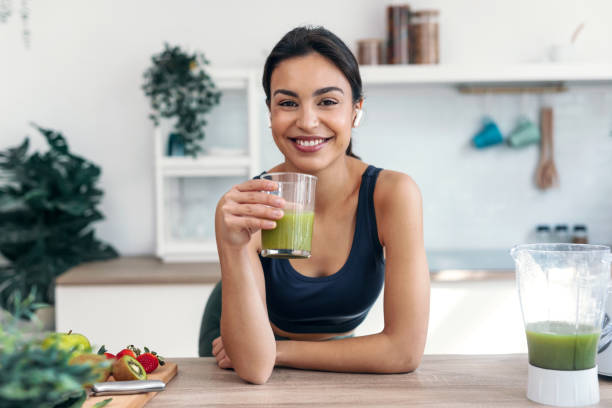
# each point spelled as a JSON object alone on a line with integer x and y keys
{"x": 315, "y": 93}
{"x": 326, "y": 90}
{"x": 285, "y": 92}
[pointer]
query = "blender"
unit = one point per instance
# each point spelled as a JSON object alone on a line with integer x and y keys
{"x": 562, "y": 290}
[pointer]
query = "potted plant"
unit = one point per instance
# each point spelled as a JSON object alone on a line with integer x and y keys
{"x": 33, "y": 374}
{"x": 179, "y": 88}
{"x": 48, "y": 202}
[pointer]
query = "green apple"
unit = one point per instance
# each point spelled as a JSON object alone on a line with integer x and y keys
{"x": 99, "y": 364}
{"x": 68, "y": 341}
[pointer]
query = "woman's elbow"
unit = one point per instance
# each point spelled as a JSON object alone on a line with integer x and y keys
{"x": 255, "y": 372}
{"x": 405, "y": 361}
{"x": 257, "y": 376}
{"x": 410, "y": 363}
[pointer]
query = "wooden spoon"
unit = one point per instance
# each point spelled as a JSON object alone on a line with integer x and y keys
{"x": 546, "y": 172}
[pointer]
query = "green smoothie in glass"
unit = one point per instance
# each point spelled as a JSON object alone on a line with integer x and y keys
{"x": 562, "y": 346}
{"x": 292, "y": 232}
{"x": 292, "y": 236}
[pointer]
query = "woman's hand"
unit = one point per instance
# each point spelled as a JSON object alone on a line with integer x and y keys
{"x": 246, "y": 209}
{"x": 223, "y": 361}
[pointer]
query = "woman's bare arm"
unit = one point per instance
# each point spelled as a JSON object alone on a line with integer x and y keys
{"x": 248, "y": 339}
{"x": 399, "y": 347}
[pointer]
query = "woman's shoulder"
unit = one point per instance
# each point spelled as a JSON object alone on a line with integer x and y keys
{"x": 394, "y": 188}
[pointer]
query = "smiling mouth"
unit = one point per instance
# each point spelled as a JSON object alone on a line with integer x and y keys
{"x": 309, "y": 142}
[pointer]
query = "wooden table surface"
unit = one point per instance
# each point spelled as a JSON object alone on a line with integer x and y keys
{"x": 441, "y": 381}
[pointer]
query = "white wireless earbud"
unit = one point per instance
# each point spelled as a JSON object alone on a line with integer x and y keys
{"x": 357, "y": 118}
{"x": 269, "y": 121}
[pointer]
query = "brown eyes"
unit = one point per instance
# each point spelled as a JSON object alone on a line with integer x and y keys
{"x": 328, "y": 102}
{"x": 287, "y": 103}
{"x": 324, "y": 102}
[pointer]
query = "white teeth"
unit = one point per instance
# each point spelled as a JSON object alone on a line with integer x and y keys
{"x": 309, "y": 142}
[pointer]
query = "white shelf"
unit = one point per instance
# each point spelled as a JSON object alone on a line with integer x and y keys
{"x": 232, "y": 78}
{"x": 245, "y": 165}
{"x": 451, "y": 74}
{"x": 204, "y": 166}
{"x": 189, "y": 251}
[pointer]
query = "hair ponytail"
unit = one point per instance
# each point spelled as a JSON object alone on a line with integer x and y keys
{"x": 349, "y": 150}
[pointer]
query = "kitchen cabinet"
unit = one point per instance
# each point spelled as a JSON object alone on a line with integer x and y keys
{"x": 136, "y": 300}
{"x": 142, "y": 301}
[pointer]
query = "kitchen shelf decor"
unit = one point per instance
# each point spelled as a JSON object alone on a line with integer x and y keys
{"x": 181, "y": 89}
{"x": 188, "y": 188}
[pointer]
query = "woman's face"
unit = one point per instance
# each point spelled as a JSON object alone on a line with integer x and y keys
{"x": 311, "y": 111}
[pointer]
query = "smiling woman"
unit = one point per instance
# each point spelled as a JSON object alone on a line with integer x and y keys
{"x": 367, "y": 234}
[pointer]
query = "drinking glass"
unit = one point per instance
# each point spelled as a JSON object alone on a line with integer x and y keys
{"x": 292, "y": 237}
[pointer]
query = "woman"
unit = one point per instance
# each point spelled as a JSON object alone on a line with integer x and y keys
{"x": 367, "y": 233}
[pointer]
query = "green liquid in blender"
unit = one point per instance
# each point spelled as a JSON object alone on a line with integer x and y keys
{"x": 562, "y": 346}
{"x": 293, "y": 231}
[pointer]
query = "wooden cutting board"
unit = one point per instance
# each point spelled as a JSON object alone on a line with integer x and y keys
{"x": 165, "y": 373}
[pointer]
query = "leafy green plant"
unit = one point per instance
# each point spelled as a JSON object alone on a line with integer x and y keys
{"x": 31, "y": 376}
{"x": 47, "y": 203}
{"x": 179, "y": 88}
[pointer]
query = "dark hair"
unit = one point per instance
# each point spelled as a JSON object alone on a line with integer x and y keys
{"x": 302, "y": 41}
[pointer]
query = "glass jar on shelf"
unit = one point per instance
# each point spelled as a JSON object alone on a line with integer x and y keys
{"x": 369, "y": 51}
{"x": 579, "y": 235}
{"x": 562, "y": 234}
{"x": 543, "y": 234}
{"x": 423, "y": 34}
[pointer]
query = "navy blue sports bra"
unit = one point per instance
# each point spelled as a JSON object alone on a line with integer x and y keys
{"x": 337, "y": 303}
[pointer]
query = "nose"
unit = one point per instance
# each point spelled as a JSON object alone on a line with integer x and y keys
{"x": 307, "y": 118}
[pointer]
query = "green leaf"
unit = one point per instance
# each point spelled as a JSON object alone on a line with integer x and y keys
{"x": 102, "y": 403}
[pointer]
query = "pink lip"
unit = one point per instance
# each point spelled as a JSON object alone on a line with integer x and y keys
{"x": 309, "y": 149}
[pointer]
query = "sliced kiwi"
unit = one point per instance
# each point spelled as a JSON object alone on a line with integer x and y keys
{"x": 128, "y": 368}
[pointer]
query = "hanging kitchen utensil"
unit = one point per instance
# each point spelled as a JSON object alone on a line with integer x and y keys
{"x": 546, "y": 172}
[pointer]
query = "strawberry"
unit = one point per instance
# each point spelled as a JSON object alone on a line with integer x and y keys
{"x": 134, "y": 349}
{"x": 125, "y": 352}
{"x": 109, "y": 356}
{"x": 149, "y": 362}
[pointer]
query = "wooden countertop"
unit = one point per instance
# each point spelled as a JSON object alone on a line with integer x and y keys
{"x": 441, "y": 381}
{"x": 141, "y": 270}
{"x": 149, "y": 270}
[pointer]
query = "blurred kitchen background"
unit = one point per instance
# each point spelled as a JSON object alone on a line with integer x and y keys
{"x": 77, "y": 67}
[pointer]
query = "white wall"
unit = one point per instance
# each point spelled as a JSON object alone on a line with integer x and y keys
{"x": 83, "y": 73}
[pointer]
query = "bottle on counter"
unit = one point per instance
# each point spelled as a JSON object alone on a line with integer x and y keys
{"x": 562, "y": 234}
{"x": 579, "y": 235}
{"x": 543, "y": 234}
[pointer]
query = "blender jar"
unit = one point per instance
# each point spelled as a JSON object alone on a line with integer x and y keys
{"x": 562, "y": 290}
